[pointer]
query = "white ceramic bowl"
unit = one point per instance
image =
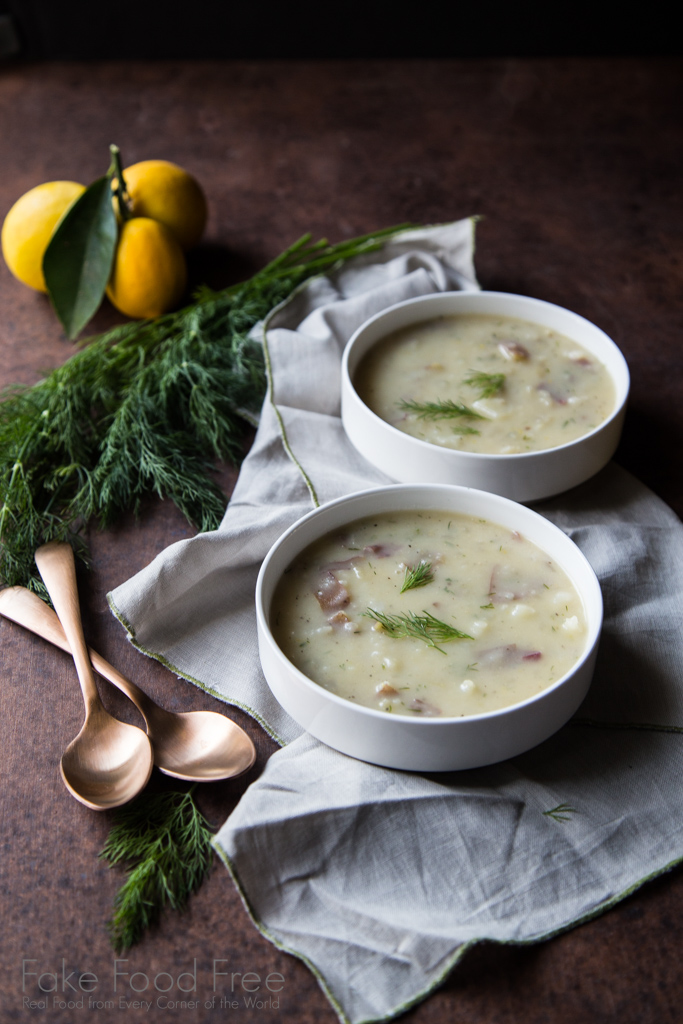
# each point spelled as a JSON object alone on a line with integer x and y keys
{"x": 426, "y": 744}
{"x": 524, "y": 477}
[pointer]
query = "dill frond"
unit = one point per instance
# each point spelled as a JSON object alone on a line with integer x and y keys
{"x": 488, "y": 384}
{"x": 562, "y": 812}
{"x": 420, "y": 576}
{"x": 421, "y": 627}
{"x": 145, "y": 408}
{"x": 439, "y": 410}
{"x": 166, "y": 842}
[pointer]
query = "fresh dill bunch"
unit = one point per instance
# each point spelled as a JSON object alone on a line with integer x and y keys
{"x": 419, "y": 576}
{"x": 166, "y": 843}
{"x": 488, "y": 384}
{"x": 421, "y": 627}
{"x": 439, "y": 410}
{"x": 145, "y": 408}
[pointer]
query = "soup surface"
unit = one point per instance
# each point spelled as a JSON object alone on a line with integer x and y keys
{"x": 483, "y": 383}
{"x": 428, "y": 613}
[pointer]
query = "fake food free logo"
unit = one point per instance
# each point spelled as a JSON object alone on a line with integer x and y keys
{"x": 55, "y": 987}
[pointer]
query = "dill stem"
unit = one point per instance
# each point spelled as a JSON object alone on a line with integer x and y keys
{"x": 121, "y": 192}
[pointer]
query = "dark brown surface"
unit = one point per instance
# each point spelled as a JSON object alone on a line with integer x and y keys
{"x": 574, "y": 165}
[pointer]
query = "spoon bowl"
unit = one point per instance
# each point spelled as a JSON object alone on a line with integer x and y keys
{"x": 103, "y": 766}
{"x": 109, "y": 762}
{"x": 198, "y": 746}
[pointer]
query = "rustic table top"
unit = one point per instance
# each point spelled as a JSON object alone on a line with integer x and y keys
{"x": 573, "y": 165}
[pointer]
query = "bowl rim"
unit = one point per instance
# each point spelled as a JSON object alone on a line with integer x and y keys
{"x": 622, "y": 386}
{"x": 594, "y": 628}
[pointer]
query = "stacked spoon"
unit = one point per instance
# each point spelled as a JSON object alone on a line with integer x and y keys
{"x": 109, "y": 762}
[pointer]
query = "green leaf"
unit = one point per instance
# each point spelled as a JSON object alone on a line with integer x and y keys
{"x": 77, "y": 262}
{"x": 419, "y": 576}
{"x": 562, "y": 812}
{"x": 489, "y": 384}
{"x": 420, "y": 627}
{"x": 439, "y": 410}
{"x": 166, "y": 842}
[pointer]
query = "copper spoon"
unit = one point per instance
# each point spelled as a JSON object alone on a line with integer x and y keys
{"x": 109, "y": 762}
{"x": 199, "y": 746}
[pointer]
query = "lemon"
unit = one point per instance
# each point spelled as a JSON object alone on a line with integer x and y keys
{"x": 29, "y": 226}
{"x": 165, "y": 192}
{"x": 149, "y": 273}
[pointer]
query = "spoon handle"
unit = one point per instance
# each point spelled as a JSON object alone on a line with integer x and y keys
{"x": 57, "y": 567}
{"x": 28, "y": 610}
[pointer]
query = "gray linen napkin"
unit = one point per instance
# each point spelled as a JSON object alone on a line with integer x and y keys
{"x": 380, "y": 880}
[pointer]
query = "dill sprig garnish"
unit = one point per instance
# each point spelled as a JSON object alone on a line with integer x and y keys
{"x": 145, "y": 408}
{"x": 166, "y": 843}
{"x": 488, "y": 384}
{"x": 419, "y": 576}
{"x": 439, "y": 410}
{"x": 562, "y": 812}
{"x": 421, "y": 627}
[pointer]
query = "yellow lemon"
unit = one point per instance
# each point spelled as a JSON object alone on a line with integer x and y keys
{"x": 29, "y": 226}
{"x": 149, "y": 273}
{"x": 165, "y": 192}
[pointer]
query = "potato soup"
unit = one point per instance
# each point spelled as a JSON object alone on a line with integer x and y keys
{"x": 485, "y": 383}
{"x": 427, "y": 614}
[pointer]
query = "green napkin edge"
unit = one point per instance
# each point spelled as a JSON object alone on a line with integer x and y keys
{"x": 452, "y": 961}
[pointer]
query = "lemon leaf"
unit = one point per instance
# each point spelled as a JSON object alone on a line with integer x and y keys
{"x": 78, "y": 260}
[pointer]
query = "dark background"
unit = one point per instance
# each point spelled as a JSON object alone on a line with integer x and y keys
{"x": 216, "y": 29}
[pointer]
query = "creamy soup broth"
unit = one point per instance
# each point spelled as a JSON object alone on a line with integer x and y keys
{"x": 523, "y": 619}
{"x": 526, "y": 387}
